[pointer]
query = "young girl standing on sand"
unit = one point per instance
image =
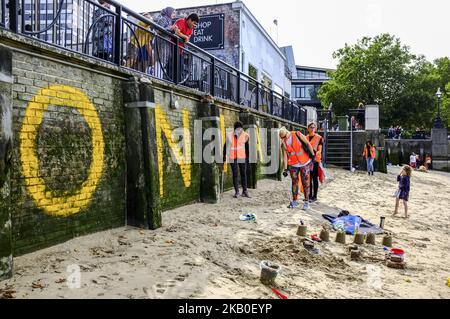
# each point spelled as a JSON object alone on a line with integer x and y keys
{"x": 404, "y": 180}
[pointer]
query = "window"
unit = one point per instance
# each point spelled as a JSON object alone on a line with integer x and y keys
{"x": 266, "y": 81}
{"x": 252, "y": 72}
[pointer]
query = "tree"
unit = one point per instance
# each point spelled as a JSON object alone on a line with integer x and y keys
{"x": 382, "y": 71}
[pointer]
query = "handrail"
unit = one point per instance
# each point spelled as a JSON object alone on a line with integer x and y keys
{"x": 182, "y": 64}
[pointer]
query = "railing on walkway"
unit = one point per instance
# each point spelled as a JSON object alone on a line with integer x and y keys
{"x": 357, "y": 119}
{"x": 116, "y": 34}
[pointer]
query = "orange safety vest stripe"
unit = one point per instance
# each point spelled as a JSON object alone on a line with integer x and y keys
{"x": 372, "y": 151}
{"x": 237, "y": 150}
{"x": 295, "y": 151}
{"x": 315, "y": 141}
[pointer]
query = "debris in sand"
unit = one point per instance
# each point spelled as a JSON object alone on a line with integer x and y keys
{"x": 37, "y": 285}
{"x": 7, "y": 293}
{"x": 279, "y": 294}
{"x": 310, "y": 247}
{"x": 396, "y": 265}
{"x": 248, "y": 217}
{"x": 60, "y": 281}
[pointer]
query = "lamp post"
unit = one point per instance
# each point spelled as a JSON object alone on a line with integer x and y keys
{"x": 438, "y": 121}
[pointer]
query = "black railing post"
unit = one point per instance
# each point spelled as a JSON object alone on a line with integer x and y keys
{"x": 118, "y": 36}
{"x": 257, "y": 96}
{"x": 238, "y": 89}
{"x": 14, "y": 15}
{"x": 212, "y": 89}
{"x": 176, "y": 63}
{"x": 271, "y": 102}
{"x": 283, "y": 112}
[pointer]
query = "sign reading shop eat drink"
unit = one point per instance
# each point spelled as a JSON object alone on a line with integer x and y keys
{"x": 209, "y": 35}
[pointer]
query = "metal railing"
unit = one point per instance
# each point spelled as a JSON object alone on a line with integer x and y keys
{"x": 116, "y": 34}
{"x": 357, "y": 119}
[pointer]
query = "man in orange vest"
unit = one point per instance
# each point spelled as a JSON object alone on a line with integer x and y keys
{"x": 297, "y": 160}
{"x": 316, "y": 142}
{"x": 237, "y": 142}
{"x": 370, "y": 156}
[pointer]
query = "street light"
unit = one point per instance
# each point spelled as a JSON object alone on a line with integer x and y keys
{"x": 438, "y": 121}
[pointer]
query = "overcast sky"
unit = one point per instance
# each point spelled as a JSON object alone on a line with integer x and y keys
{"x": 316, "y": 28}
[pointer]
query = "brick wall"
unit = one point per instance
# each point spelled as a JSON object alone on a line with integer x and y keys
{"x": 68, "y": 153}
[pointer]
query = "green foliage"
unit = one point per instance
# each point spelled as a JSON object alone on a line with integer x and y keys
{"x": 382, "y": 71}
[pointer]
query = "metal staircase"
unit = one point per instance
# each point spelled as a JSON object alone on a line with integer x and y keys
{"x": 339, "y": 149}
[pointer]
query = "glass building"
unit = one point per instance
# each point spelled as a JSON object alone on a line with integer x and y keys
{"x": 70, "y": 27}
{"x": 306, "y": 82}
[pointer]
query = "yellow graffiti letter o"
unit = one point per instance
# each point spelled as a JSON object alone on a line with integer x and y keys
{"x": 59, "y": 95}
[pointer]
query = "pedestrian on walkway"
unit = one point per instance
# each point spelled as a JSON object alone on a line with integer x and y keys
{"x": 370, "y": 156}
{"x": 297, "y": 160}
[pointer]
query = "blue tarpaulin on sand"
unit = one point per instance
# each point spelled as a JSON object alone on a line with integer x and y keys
{"x": 350, "y": 223}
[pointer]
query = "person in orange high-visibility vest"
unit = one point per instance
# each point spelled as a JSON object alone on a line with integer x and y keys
{"x": 316, "y": 142}
{"x": 297, "y": 160}
{"x": 370, "y": 156}
{"x": 238, "y": 150}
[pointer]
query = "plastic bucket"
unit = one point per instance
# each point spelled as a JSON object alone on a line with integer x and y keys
{"x": 269, "y": 272}
{"x": 398, "y": 252}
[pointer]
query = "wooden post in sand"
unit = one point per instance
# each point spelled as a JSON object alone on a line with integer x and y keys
{"x": 6, "y": 138}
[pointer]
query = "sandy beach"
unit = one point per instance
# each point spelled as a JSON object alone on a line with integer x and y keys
{"x": 205, "y": 251}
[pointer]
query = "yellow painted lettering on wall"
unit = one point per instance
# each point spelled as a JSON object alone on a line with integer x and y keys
{"x": 60, "y": 95}
{"x": 258, "y": 140}
{"x": 163, "y": 127}
{"x": 224, "y": 138}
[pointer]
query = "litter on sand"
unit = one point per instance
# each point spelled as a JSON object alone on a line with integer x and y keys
{"x": 279, "y": 294}
{"x": 248, "y": 217}
{"x": 351, "y": 223}
{"x": 310, "y": 247}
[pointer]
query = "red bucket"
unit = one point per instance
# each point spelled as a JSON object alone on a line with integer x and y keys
{"x": 397, "y": 252}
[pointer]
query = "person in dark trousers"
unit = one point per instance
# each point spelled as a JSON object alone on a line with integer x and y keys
{"x": 316, "y": 142}
{"x": 238, "y": 145}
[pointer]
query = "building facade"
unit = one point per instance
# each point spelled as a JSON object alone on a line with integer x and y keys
{"x": 246, "y": 45}
{"x": 306, "y": 80}
{"x": 71, "y": 26}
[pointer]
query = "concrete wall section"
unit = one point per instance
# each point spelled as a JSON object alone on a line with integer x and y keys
{"x": 399, "y": 151}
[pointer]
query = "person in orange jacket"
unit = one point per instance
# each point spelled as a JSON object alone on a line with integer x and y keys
{"x": 297, "y": 160}
{"x": 316, "y": 142}
{"x": 237, "y": 142}
{"x": 369, "y": 155}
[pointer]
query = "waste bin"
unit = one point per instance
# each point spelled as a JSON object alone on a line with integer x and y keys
{"x": 343, "y": 123}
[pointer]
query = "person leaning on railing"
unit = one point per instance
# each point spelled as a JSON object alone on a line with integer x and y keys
{"x": 140, "y": 51}
{"x": 184, "y": 28}
{"x": 102, "y": 37}
{"x": 164, "y": 63}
